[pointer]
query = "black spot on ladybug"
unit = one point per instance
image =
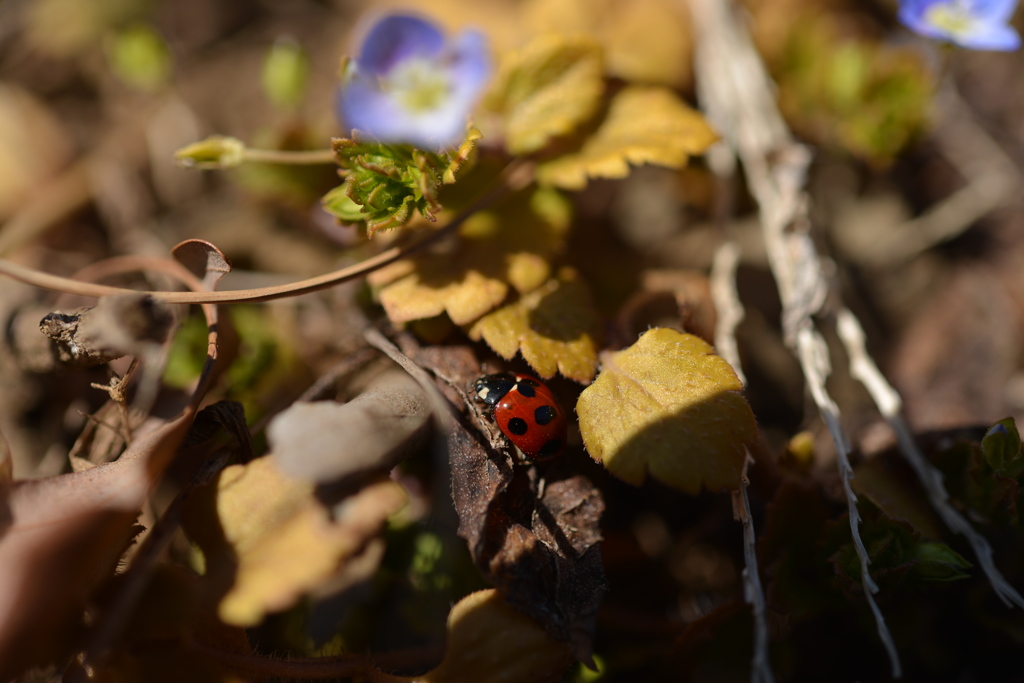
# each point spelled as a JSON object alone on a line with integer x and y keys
{"x": 526, "y": 388}
{"x": 544, "y": 414}
{"x": 517, "y": 426}
{"x": 550, "y": 449}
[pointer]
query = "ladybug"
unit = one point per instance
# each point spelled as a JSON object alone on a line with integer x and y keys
{"x": 526, "y": 412}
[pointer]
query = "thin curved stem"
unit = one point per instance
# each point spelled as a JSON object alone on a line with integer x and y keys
{"x": 285, "y": 156}
{"x": 517, "y": 175}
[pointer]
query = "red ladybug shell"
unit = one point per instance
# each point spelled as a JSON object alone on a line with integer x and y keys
{"x": 526, "y": 412}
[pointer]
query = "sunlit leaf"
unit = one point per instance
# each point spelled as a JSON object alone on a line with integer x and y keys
{"x": 669, "y": 407}
{"x": 507, "y": 246}
{"x": 490, "y": 642}
{"x": 547, "y": 89}
{"x": 554, "y": 327}
{"x": 644, "y": 125}
{"x": 272, "y": 540}
{"x": 646, "y": 41}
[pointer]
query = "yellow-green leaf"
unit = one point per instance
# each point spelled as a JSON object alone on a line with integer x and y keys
{"x": 269, "y": 536}
{"x": 669, "y": 407}
{"x": 644, "y": 125}
{"x": 554, "y": 326}
{"x": 547, "y": 89}
{"x": 490, "y": 642}
{"x": 510, "y": 245}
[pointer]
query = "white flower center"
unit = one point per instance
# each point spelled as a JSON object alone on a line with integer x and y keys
{"x": 953, "y": 17}
{"x": 419, "y": 84}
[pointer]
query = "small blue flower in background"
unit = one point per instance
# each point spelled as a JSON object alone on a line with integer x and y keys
{"x": 410, "y": 85}
{"x": 974, "y": 24}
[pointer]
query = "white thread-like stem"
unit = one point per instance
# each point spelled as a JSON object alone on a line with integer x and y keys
{"x": 864, "y": 369}
{"x": 728, "y": 308}
{"x": 760, "y": 665}
{"x": 736, "y": 92}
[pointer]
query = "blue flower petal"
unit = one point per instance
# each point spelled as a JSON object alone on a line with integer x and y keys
{"x": 991, "y": 37}
{"x": 410, "y": 85}
{"x": 397, "y": 38}
{"x": 469, "y": 63}
{"x": 365, "y": 107}
{"x": 998, "y": 11}
{"x": 913, "y": 14}
{"x": 975, "y": 24}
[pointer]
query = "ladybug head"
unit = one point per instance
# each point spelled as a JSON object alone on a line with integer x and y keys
{"x": 490, "y": 388}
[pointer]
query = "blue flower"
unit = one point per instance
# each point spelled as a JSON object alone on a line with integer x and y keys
{"x": 975, "y": 24}
{"x": 410, "y": 85}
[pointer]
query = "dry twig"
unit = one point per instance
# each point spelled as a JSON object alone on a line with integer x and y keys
{"x": 738, "y": 95}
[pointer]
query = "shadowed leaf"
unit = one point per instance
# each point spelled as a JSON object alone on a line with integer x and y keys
{"x": 267, "y": 539}
{"x": 1001, "y": 446}
{"x": 669, "y": 407}
{"x": 555, "y": 327}
{"x": 490, "y": 642}
{"x": 539, "y": 546}
{"x": 507, "y": 246}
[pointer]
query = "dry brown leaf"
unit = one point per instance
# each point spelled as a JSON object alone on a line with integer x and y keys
{"x": 33, "y": 146}
{"x": 555, "y": 327}
{"x": 490, "y": 642}
{"x": 509, "y": 245}
{"x": 539, "y": 545}
{"x": 268, "y": 540}
{"x": 327, "y": 441}
{"x": 157, "y": 645}
{"x": 83, "y": 521}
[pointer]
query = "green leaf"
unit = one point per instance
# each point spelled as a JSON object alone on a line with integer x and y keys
{"x": 939, "y": 562}
{"x": 340, "y": 205}
{"x": 898, "y": 555}
{"x": 863, "y": 96}
{"x": 285, "y": 74}
{"x": 547, "y": 89}
{"x": 1001, "y": 446}
{"x": 390, "y": 182}
{"x": 643, "y": 126}
{"x": 668, "y": 406}
{"x": 139, "y": 56}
